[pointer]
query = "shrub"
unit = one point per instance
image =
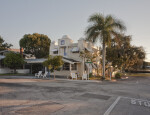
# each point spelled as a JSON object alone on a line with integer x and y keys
{"x": 79, "y": 78}
{"x": 58, "y": 69}
{"x": 13, "y": 60}
{"x": 90, "y": 75}
{"x": 118, "y": 75}
{"x": 69, "y": 77}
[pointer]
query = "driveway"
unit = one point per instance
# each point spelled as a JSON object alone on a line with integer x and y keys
{"x": 28, "y": 96}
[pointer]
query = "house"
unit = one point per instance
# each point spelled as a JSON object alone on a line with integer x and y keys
{"x": 70, "y": 52}
{"x": 4, "y": 69}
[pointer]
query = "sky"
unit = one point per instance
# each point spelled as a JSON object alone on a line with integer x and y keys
{"x": 56, "y": 18}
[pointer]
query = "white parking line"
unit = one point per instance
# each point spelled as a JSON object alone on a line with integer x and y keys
{"x": 112, "y": 106}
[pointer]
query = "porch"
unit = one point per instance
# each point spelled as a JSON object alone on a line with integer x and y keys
{"x": 69, "y": 66}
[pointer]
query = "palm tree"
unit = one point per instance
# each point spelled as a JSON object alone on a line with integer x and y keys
{"x": 103, "y": 28}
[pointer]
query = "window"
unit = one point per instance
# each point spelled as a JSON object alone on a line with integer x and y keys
{"x": 74, "y": 66}
{"x": 62, "y": 42}
{"x": 66, "y": 66}
{"x": 75, "y": 50}
{"x": 55, "y": 52}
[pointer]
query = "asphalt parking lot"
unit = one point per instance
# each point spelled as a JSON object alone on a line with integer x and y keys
{"x": 29, "y": 96}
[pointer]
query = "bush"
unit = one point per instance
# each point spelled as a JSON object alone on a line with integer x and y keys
{"x": 69, "y": 77}
{"x": 58, "y": 69}
{"x": 118, "y": 75}
{"x": 90, "y": 75}
{"x": 96, "y": 78}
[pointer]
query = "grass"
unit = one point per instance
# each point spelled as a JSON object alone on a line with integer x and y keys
{"x": 95, "y": 78}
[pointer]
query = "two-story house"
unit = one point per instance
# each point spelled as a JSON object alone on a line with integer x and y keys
{"x": 70, "y": 52}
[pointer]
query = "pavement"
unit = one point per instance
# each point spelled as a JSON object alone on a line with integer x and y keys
{"x": 30, "y": 96}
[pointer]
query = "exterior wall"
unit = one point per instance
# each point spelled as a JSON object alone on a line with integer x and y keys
{"x": 26, "y": 71}
{"x": 62, "y": 73}
{"x": 53, "y": 46}
{"x": 80, "y": 69}
{"x": 7, "y": 70}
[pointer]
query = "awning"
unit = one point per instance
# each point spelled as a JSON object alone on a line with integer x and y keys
{"x": 90, "y": 50}
{"x": 88, "y": 65}
{"x": 71, "y": 61}
{"x": 94, "y": 66}
{"x": 67, "y": 61}
{"x": 35, "y": 60}
{"x": 75, "y": 49}
{"x": 54, "y": 50}
{"x": 2, "y": 57}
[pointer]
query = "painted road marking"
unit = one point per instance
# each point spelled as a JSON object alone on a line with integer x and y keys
{"x": 140, "y": 102}
{"x": 133, "y": 101}
{"x": 134, "y": 98}
{"x": 112, "y": 106}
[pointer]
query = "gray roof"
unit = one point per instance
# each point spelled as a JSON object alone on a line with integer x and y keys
{"x": 35, "y": 60}
{"x": 72, "y": 61}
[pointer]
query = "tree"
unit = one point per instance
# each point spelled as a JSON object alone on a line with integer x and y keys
{"x": 88, "y": 56}
{"x": 117, "y": 52}
{"x": 3, "y": 45}
{"x": 13, "y": 60}
{"x": 135, "y": 56}
{"x": 36, "y": 44}
{"x": 103, "y": 28}
{"x": 53, "y": 63}
{"x": 123, "y": 55}
{"x": 47, "y": 63}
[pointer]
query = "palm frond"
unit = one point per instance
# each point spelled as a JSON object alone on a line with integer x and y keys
{"x": 109, "y": 20}
{"x": 97, "y": 19}
{"x": 103, "y": 27}
{"x": 118, "y": 25}
{"x": 92, "y": 36}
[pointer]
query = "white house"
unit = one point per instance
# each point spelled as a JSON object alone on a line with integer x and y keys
{"x": 4, "y": 69}
{"x": 73, "y": 62}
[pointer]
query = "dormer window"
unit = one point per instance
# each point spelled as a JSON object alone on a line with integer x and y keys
{"x": 75, "y": 50}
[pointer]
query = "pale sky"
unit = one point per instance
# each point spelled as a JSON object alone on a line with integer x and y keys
{"x": 56, "y": 18}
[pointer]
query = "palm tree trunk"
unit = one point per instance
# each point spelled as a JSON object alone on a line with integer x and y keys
{"x": 103, "y": 58}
